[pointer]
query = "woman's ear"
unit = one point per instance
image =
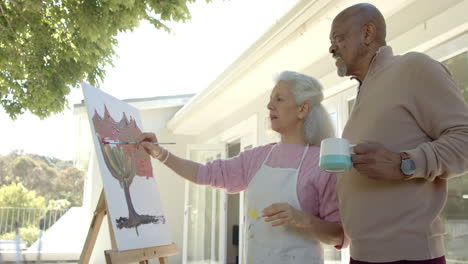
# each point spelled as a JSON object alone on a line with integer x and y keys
{"x": 304, "y": 110}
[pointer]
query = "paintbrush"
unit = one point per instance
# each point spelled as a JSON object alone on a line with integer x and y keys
{"x": 106, "y": 141}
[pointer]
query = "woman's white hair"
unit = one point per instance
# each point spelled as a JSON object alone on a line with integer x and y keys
{"x": 317, "y": 124}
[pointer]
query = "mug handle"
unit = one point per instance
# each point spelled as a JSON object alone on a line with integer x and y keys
{"x": 351, "y": 148}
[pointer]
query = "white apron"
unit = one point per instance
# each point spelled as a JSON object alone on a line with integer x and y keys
{"x": 280, "y": 244}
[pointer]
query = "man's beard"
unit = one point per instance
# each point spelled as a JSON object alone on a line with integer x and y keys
{"x": 342, "y": 70}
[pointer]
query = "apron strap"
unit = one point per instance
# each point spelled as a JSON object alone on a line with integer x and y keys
{"x": 300, "y": 163}
{"x": 302, "y": 159}
{"x": 268, "y": 155}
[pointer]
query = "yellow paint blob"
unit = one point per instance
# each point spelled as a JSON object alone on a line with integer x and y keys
{"x": 253, "y": 214}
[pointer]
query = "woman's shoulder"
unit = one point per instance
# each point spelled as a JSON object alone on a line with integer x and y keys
{"x": 313, "y": 154}
{"x": 262, "y": 147}
{"x": 312, "y": 162}
{"x": 258, "y": 151}
{"x": 314, "y": 150}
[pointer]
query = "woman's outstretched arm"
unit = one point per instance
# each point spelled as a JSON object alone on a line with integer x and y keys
{"x": 185, "y": 168}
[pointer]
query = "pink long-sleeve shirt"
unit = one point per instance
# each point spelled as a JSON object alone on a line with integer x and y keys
{"x": 315, "y": 188}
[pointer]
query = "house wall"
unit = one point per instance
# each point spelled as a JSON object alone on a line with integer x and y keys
{"x": 170, "y": 185}
{"x": 438, "y": 28}
{"x": 252, "y": 120}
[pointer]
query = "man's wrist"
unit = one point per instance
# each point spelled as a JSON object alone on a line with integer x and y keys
{"x": 399, "y": 175}
{"x": 407, "y": 166}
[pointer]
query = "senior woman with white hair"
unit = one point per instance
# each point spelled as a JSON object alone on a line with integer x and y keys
{"x": 290, "y": 203}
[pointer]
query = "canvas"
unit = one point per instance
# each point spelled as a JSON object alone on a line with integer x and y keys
{"x": 130, "y": 185}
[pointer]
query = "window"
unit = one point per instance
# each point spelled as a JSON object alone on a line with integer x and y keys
{"x": 233, "y": 200}
{"x": 455, "y": 212}
{"x": 334, "y": 120}
{"x": 458, "y": 67}
{"x": 351, "y": 105}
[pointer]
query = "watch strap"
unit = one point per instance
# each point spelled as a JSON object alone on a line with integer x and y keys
{"x": 405, "y": 156}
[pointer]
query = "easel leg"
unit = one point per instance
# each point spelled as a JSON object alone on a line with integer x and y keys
{"x": 113, "y": 256}
{"x": 93, "y": 232}
{"x": 108, "y": 258}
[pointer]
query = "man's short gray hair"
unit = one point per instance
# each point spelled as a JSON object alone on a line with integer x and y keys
{"x": 317, "y": 124}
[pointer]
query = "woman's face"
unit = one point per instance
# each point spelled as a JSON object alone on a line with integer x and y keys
{"x": 284, "y": 113}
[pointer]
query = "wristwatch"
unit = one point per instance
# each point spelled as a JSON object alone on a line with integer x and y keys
{"x": 408, "y": 166}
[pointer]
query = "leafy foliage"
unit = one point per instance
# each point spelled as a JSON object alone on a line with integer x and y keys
{"x": 50, "y": 178}
{"x": 48, "y": 46}
{"x": 25, "y": 207}
{"x": 16, "y": 195}
{"x": 28, "y": 234}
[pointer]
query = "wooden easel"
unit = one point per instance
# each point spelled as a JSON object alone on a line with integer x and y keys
{"x": 113, "y": 256}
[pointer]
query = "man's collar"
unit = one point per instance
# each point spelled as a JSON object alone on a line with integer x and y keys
{"x": 381, "y": 58}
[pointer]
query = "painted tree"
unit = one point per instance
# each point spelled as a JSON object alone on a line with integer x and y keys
{"x": 124, "y": 162}
{"x": 50, "y": 46}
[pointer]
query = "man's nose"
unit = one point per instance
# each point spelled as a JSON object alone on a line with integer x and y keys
{"x": 331, "y": 49}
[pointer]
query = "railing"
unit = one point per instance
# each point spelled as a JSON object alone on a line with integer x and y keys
{"x": 27, "y": 217}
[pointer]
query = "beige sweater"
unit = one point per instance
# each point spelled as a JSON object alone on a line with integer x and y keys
{"x": 407, "y": 103}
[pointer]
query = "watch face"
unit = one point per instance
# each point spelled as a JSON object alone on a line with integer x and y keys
{"x": 408, "y": 166}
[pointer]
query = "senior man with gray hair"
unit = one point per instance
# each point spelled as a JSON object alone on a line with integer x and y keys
{"x": 412, "y": 125}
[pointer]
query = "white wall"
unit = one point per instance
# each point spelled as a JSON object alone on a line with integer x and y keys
{"x": 251, "y": 118}
{"x": 171, "y": 186}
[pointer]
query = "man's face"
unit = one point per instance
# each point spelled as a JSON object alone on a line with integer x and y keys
{"x": 346, "y": 47}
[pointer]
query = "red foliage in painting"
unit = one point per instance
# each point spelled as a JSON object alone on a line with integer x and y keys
{"x": 124, "y": 131}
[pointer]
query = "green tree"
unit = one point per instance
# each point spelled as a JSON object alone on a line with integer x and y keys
{"x": 5, "y": 173}
{"x": 27, "y": 234}
{"x": 22, "y": 167}
{"x": 16, "y": 195}
{"x": 3, "y": 170}
{"x": 69, "y": 185}
{"x": 48, "y": 46}
{"x": 51, "y": 178}
{"x": 34, "y": 174}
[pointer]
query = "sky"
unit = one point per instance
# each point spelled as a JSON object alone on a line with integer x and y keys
{"x": 152, "y": 62}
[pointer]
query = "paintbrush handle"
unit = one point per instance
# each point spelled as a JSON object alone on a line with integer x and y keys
{"x": 133, "y": 143}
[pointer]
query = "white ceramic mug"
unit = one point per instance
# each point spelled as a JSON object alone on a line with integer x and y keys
{"x": 335, "y": 155}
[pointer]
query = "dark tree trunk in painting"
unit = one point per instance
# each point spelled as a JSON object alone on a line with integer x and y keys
{"x": 133, "y": 217}
{"x": 132, "y": 214}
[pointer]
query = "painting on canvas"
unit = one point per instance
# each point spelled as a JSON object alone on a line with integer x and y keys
{"x": 130, "y": 186}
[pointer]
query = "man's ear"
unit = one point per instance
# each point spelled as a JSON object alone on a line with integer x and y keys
{"x": 369, "y": 33}
{"x": 304, "y": 110}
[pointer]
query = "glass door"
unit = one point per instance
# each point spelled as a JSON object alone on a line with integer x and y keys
{"x": 332, "y": 105}
{"x": 205, "y": 214}
{"x": 455, "y": 213}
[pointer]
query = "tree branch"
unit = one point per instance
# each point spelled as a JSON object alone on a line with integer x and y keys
{"x": 8, "y": 22}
